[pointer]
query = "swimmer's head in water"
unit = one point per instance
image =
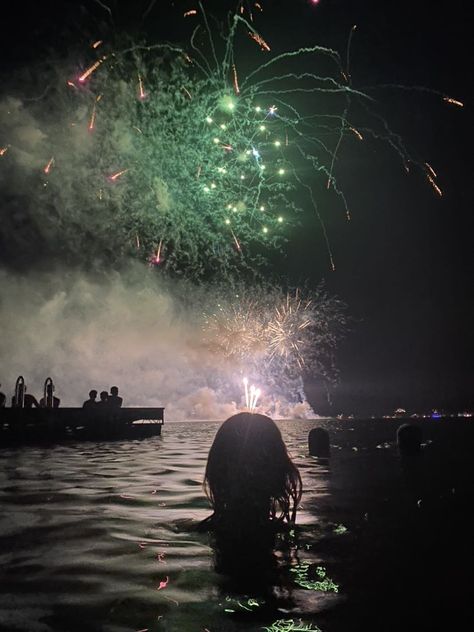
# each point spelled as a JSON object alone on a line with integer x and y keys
{"x": 249, "y": 474}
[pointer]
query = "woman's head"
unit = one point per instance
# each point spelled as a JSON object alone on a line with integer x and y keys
{"x": 249, "y": 474}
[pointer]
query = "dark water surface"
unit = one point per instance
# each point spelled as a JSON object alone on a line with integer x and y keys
{"x": 89, "y": 531}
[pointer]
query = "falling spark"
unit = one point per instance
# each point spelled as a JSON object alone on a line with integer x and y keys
{"x": 191, "y": 12}
{"x": 357, "y": 133}
{"x": 163, "y": 583}
{"x": 47, "y": 169}
{"x": 236, "y": 241}
{"x": 156, "y": 257}
{"x": 91, "y": 69}
{"x": 434, "y": 185}
{"x": 187, "y": 92}
{"x": 260, "y": 41}
{"x": 97, "y": 44}
{"x": 71, "y": 84}
{"x": 236, "y": 80}
{"x": 3, "y": 150}
{"x": 258, "y": 6}
{"x": 453, "y": 101}
{"x": 117, "y": 175}
{"x": 137, "y": 241}
{"x": 433, "y": 173}
{"x": 92, "y": 120}
{"x": 141, "y": 91}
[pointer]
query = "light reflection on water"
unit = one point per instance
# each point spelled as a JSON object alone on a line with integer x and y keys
{"x": 88, "y": 531}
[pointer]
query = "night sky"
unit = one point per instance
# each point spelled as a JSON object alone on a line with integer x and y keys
{"x": 404, "y": 262}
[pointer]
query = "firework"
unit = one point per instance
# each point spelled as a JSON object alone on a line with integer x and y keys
{"x": 204, "y": 150}
{"x": 277, "y": 336}
{"x": 251, "y": 395}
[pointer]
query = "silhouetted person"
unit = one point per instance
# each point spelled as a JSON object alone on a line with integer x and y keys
{"x": 318, "y": 442}
{"x": 104, "y": 399}
{"x": 50, "y": 401}
{"x": 28, "y": 401}
{"x": 409, "y": 437}
{"x": 91, "y": 402}
{"x": 254, "y": 489}
{"x": 114, "y": 400}
{"x": 3, "y": 399}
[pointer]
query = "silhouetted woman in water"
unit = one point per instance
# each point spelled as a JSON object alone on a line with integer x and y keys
{"x": 253, "y": 487}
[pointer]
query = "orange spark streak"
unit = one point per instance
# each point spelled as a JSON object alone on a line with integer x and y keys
{"x": 259, "y": 6}
{"x": 92, "y": 120}
{"x": 47, "y": 169}
{"x": 3, "y": 150}
{"x": 236, "y": 80}
{"x": 433, "y": 172}
{"x": 260, "y": 41}
{"x": 357, "y": 133}
{"x": 97, "y": 44}
{"x": 141, "y": 91}
{"x": 91, "y": 69}
{"x": 434, "y": 185}
{"x": 191, "y": 12}
{"x": 117, "y": 175}
{"x": 71, "y": 84}
{"x": 158, "y": 252}
{"x": 453, "y": 101}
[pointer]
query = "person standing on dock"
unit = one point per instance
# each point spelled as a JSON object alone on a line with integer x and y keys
{"x": 114, "y": 400}
{"x": 104, "y": 399}
{"x": 49, "y": 400}
{"x": 91, "y": 402}
{"x": 28, "y": 402}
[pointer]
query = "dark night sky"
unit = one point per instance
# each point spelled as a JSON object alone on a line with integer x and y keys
{"x": 404, "y": 262}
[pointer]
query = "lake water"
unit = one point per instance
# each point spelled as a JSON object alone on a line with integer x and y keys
{"x": 89, "y": 532}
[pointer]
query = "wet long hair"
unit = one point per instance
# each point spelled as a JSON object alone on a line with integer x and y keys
{"x": 250, "y": 478}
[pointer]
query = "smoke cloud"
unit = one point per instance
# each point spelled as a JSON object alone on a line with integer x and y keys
{"x": 129, "y": 330}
